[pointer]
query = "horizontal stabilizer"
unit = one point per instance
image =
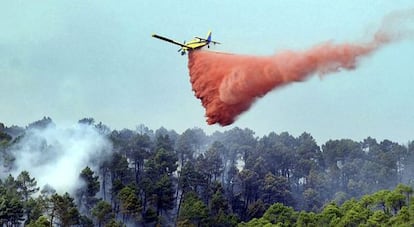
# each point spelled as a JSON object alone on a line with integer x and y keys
{"x": 203, "y": 39}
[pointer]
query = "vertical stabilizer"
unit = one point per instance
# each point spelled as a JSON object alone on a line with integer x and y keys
{"x": 209, "y": 36}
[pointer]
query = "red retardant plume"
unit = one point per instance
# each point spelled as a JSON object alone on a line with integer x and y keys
{"x": 228, "y": 84}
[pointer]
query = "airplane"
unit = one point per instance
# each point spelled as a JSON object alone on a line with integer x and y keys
{"x": 194, "y": 44}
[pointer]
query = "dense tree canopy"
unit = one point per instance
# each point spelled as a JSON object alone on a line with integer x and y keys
{"x": 225, "y": 179}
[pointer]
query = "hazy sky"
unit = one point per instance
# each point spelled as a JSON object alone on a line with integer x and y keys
{"x": 75, "y": 59}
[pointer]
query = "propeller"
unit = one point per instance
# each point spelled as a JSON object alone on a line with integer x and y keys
{"x": 181, "y": 49}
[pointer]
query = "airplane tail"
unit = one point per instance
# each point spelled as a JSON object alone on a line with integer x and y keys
{"x": 209, "y": 36}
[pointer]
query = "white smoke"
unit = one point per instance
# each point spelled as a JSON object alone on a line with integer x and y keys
{"x": 56, "y": 156}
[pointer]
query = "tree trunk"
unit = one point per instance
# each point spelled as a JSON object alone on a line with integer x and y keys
{"x": 179, "y": 204}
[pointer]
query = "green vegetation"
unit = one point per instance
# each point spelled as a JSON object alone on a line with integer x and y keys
{"x": 384, "y": 208}
{"x": 229, "y": 178}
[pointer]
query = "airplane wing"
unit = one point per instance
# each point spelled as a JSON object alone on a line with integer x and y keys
{"x": 170, "y": 40}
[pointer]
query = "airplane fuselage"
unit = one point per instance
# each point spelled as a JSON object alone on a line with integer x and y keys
{"x": 195, "y": 44}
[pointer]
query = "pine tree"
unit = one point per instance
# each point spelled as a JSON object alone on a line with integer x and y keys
{"x": 86, "y": 194}
{"x": 65, "y": 210}
{"x": 26, "y": 186}
{"x": 102, "y": 212}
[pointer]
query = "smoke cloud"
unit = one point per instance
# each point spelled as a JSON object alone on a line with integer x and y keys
{"x": 228, "y": 84}
{"x": 56, "y": 156}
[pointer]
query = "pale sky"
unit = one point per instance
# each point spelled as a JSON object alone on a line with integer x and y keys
{"x": 74, "y": 59}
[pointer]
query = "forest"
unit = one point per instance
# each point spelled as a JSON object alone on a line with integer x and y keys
{"x": 145, "y": 177}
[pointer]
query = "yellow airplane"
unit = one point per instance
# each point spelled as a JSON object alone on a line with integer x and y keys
{"x": 194, "y": 44}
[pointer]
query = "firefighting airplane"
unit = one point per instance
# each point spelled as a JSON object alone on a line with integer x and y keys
{"x": 194, "y": 44}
